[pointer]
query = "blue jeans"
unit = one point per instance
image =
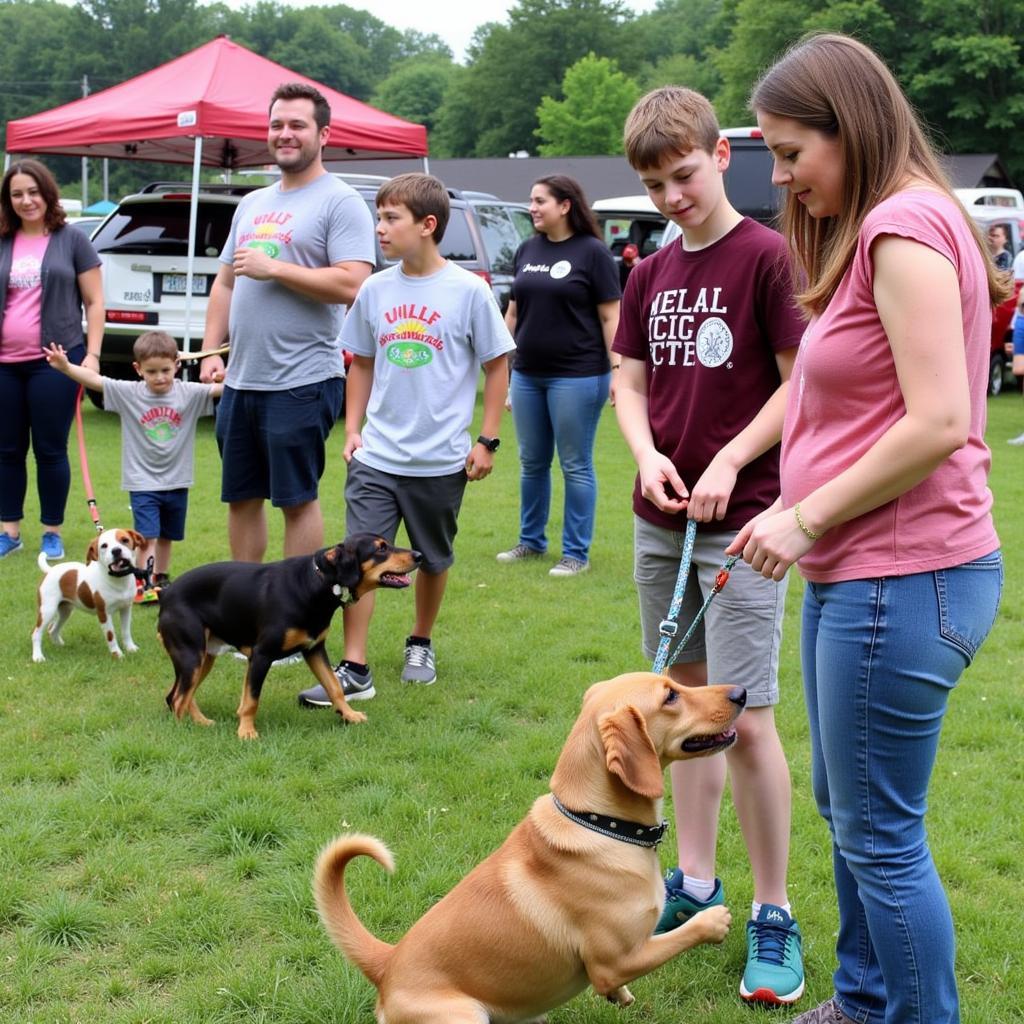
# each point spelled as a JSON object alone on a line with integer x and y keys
{"x": 38, "y": 405}
{"x": 560, "y": 412}
{"x": 880, "y": 657}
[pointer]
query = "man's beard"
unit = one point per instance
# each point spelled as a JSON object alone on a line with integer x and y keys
{"x": 300, "y": 162}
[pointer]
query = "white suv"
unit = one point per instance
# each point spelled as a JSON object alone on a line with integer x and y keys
{"x": 144, "y": 248}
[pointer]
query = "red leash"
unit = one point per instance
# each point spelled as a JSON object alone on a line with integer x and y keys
{"x": 83, "y": 459}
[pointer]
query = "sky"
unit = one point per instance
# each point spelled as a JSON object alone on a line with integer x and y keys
{"x": 454, "y": 21}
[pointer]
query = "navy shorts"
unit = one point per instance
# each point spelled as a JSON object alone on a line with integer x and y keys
{"x": 273, "y": 443}
{"x": 428, "y": 506}
{"x": 160, "y": 513}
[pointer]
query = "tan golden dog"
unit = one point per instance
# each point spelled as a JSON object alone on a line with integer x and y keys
{"x": 572, "y": 896}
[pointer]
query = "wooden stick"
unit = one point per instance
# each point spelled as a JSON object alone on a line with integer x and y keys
{"x": 188, "y": 356}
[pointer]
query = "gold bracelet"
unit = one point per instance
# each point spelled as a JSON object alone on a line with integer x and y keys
{"x": 808, "y": 532}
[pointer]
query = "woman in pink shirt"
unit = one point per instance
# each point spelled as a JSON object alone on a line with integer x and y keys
{"x": 884, "y": 505}
{"x": 48, "y": 271}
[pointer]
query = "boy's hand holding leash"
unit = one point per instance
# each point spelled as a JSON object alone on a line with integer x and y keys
{"x": 657, "y": 474}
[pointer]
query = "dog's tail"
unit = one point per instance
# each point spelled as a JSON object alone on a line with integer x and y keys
{"x": 41, "y": 561}
{"x": 346, "y": 931}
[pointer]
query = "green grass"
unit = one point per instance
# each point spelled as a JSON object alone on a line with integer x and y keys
{"x": 152, "y": 872}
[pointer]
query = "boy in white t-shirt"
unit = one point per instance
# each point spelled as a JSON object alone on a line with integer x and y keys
{"x": 420, "y": 332}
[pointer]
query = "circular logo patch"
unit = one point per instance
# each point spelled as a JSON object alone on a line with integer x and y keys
{"x": 272, "y": 249}
{"x": 561, "y": 269}
{"x": 714, "y": 341}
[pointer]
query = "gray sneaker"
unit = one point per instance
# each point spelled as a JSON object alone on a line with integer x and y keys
{"x": 518, "y": 554}
{"x": 420, "y": 664}
{"x": 824, "y": 1013}
{"x": 568, "y": 567}
{"x": 355, "y": 686}
{"x": 1018, "y": 440}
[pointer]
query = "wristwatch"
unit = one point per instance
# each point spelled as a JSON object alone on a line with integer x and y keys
{"x": 490, "y": 443}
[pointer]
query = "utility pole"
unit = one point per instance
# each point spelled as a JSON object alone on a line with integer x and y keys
{"x": 85, "y": 159}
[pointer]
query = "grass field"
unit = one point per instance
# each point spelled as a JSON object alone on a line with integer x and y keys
{"x": 152, "y": 871}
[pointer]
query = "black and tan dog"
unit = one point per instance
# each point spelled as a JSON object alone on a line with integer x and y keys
{"x": 268, "y": 611}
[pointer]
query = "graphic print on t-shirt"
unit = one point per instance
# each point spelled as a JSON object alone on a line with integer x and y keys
{"x": 26, "y": 272}
{"x": 409, "y": 343}
{"x": 161, "y": 423}
{"x": 685, "y": 326}
{"x": 267, "y": 233}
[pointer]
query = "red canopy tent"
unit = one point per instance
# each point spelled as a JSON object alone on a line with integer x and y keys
{"x": 219, "y": 91}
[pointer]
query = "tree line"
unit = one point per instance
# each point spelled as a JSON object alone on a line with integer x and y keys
{"x": 556, "y": 79}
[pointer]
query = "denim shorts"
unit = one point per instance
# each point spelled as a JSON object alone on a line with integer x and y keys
{"x": 740, "y": 634}
{"x": 160, "y": 513}
{"x": 273, "y": 443}
{"x": 376, "y": 501}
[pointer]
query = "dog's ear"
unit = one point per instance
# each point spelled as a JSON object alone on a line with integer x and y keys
{"x": 342, "y": 564}
{"x": 629, "y": 752}
{"x": 138, "y": 541}
{"x": 92, "y": 552}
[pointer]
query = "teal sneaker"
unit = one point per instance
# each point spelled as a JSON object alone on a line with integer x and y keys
{"x": 680, "y": 906}
{"x": 775, "y": 966}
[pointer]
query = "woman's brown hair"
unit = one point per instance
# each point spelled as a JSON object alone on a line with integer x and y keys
{"x": 55, "y": 217}
{"x": 581, "y": 219}
{"x": 841, "y": 88}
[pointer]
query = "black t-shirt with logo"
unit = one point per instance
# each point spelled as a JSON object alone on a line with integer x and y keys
{"x": 557, "y": 289}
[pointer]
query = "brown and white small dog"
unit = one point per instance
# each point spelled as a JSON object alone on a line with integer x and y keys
{"x": 103, "y": 584}
{"x": 573, "y": 895}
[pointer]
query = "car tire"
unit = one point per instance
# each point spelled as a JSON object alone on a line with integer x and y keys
{"x": 995, "y": 374}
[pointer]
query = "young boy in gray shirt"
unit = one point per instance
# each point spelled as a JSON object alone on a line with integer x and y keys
{"x": 158, "y": 414}
{"x": 420, "y": 333}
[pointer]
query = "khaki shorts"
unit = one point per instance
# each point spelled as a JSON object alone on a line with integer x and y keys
{"x": 741, "y": 631}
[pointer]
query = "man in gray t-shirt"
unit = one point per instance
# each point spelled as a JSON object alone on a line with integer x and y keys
{"x": 297, "y": 253}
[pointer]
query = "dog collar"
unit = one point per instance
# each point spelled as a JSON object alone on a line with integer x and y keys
{"x": 615, "y": 828}
{"x": 343, "y": 594}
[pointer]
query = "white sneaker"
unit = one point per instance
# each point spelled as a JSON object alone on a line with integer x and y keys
{"x": 420, "y": 664}
{"x": 568, "y": 567}
{"x": 1018, "y": 440}
{"x": 518, "y": 554}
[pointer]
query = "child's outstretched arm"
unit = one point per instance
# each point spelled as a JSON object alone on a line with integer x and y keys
{"x": 58, "y": 359}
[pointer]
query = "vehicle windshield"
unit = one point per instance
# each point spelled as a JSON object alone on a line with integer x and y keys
{"x": 158, "y": 228}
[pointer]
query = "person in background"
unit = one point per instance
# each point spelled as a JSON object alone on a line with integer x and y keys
{"x": 997, "y": 247}
{"x": 48, "y": 273}
{"x": 563, "y": 315}
{"x": 885, "y": 504}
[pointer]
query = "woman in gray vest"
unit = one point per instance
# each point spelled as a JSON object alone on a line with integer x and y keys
{"x": 48, "y": 272}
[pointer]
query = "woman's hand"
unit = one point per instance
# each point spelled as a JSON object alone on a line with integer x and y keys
{"x": 771, "y": 542}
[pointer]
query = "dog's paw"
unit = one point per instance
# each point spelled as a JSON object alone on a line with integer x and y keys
{"x": 248, "y": 732}
{"x": 37, "y": 657}
{"x": 352, "y": 717}
{"x": 714, "y": 923}
{"x": 132, "y": 648}
{"x": 621, "y": 997}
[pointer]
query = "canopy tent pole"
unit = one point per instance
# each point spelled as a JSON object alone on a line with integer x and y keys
{"x": 193, "y": 214}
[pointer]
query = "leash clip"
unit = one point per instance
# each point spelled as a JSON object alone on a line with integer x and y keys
{"x": 668, "y": 627}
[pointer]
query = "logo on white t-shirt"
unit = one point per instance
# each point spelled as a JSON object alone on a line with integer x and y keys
{"x": 561, "y": 269}
{"x": 714, "y": 341}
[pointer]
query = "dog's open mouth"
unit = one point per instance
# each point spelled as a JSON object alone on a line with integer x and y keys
{"x": 120, "y": 567}
{"x": 393, "y": 580}
{"x": 710, "y": 744}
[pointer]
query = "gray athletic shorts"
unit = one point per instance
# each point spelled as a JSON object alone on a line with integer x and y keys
{"x": 741, "y": 631}
{"x": 429, "y": 506}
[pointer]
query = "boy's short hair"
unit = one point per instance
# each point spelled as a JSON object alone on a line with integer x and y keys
{"x": 669, "y": 120}
{"x": 154, "y": 345}
{"x": 422, "y": 194}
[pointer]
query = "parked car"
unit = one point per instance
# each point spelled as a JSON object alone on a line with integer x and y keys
{"x": 86, "y": 224}
{"x": 144, "y": 248}
{"x": 989, "y": 196}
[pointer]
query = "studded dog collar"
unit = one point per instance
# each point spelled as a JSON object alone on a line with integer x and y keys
{"x": 631, "y": 832}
